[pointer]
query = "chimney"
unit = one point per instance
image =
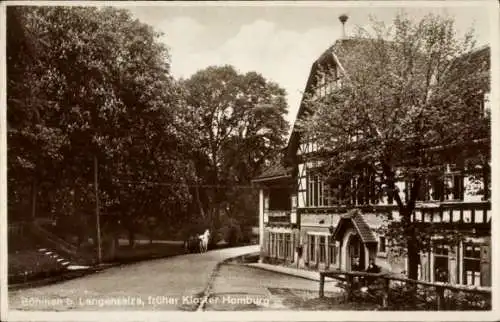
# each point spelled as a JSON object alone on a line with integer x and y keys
{"x": 343, "y": 18}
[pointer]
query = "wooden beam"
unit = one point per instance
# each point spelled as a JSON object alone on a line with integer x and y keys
{"x": 440, "y": 298}
{"x": 321, "y": 285}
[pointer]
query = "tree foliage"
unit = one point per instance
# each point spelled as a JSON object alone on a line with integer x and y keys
{"x": 240, "y": 124}
{"x": 93, "y": 84}
{"x": 409, "y": 104}
{"x": 87, "y": 83}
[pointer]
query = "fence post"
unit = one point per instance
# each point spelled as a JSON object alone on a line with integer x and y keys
{"x": 413, "y": 289}
{"x": 321, "y": 284}
{"x": 349, "y": 279}
{"x": 440, "y": 297}
{"x": 385, "y": 296}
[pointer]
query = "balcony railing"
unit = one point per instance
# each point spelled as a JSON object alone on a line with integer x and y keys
{"x": 453, "y": 212}
{"x": 279, "y": 216}
{"x": 470, "y": 214}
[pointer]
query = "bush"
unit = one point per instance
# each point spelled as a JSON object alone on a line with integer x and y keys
{"x": 231, "y": 232}
{"x": 404, "y": 297}
{"x": 233, "y": 235}
{"x": 469, "y": 301}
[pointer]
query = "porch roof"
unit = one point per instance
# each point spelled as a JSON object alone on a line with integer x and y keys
{"x": 358, "y": 222}
{"x": 274, "y": 172}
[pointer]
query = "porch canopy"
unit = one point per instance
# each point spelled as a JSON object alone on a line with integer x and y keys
{"x": 276, "y": 172}
{"x": 354, "y": 219}
{"x": 357, "y": 241}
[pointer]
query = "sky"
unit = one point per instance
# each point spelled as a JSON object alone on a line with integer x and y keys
{"x": 280, "y": 40}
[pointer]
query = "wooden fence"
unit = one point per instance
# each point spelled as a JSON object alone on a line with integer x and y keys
{"x": 388, "y": 278}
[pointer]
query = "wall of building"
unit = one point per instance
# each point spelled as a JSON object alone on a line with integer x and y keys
{"x": 467, "y": 263}
{"x": 279, "y": 245}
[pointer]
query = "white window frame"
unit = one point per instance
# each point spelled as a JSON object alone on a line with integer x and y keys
{"x": 476, "y": 276}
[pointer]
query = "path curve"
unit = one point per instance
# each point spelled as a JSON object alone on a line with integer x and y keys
{"x": 176, "y": 283}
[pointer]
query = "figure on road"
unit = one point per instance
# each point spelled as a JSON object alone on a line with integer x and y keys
{"x": 204, "y": 241}
{"x": 192, "y": 244}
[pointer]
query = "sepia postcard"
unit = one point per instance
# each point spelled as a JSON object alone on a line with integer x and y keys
{"x": 261, "y": 160}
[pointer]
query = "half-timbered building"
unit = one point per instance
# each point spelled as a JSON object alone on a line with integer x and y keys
{"x": 301, "y": 226}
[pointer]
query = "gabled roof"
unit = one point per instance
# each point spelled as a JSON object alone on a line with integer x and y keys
{"x": 275, "y": 171}
{"x": 355, "y": 218}
{"x": 335, "y": 55}
{"x": 478, "y": 58}
{"x": 330, "y": 57}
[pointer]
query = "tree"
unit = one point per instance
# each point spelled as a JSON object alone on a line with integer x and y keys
{"x": 406, "y": 108}
{"x": 89, "y": 83}
{"x": 240, "y": 125}
{"x": 35, "y": 145}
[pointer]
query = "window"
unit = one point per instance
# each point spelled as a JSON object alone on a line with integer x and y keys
{"x": 312, "y": 249}
{"x": 381, "y": 244}
{"x": 322, "y": 249}
{"x": 271, "y": 245}
{"x": 436, "y": 188}
{"x": 279, "y": 199}
{"x": 275, "y": 245}
{"x": 453, "y": 186}
{"x": 318, "y": 192}
{"x": 441, "y": 273}
{"x": 360, "y": 189}
{"x": 472, "y": 264}
{"x": 333, "y": 253}
{"x": 288, "y": 246}
{"x": 449, "y": 186}
{"x": 280, "y": 246}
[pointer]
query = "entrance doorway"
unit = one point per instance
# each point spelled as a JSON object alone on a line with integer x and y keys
{"x": 355, "y": 254}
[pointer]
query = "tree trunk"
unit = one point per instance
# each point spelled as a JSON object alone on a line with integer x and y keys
{"x": 412, "y": 250}
{"x": 131, "y": 237}
{"x": 412, "y": 243}
{"x": 406, "y": 212}
{"x": 112, "y": 247}
{"x": 413, "y": 258}
{"x": 34, "y": 192}
{"x": 116, "y": 239}
{"x": 198, "y": 200}
{"x": 97, "y": 210}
